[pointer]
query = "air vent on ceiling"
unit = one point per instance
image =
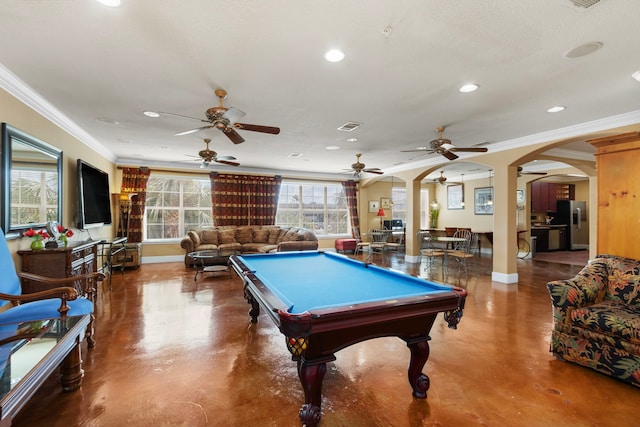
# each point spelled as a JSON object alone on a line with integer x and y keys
{"x": 295, "y": 155}
{"x": 349, "y": 126}
{"x": 585, "y": 3}
{"x": 483, "y": 144}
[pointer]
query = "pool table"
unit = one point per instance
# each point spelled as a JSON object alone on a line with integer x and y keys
{"x": 323, "y": 302}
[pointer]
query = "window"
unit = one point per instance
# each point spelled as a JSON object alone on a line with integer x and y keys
{"x": 321, "y": 207}
{"x": 34, "y": 195}
{"x": 175, "y": 205}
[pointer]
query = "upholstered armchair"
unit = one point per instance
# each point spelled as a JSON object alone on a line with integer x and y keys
{"x": 69, "y": 296}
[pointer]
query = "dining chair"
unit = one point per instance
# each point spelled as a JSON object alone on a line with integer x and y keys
{"x": 461, "y": 251}
{"x": 67, "y": 296}
{"x": 429, "y": 250}
{"x": 378, "y": 241}
{"x": 396, "y": 243}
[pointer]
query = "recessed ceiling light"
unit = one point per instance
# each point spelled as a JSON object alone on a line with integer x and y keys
{"x": 555, "y": 109}
{"x": 583, "y": 50}
{"x": 470, "y": 87}
{"x": 636, "y": 75}
{"x": 334, "y": 55}
{"x": 110, "y": 3}
{"x": 332, "y": 147}
{"x": 352, "y": 139}
{"x": 421, "y": 148}
{"x": 151, "y": 114}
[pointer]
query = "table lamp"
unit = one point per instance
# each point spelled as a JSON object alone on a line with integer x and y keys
{"x": 381, "y": 214}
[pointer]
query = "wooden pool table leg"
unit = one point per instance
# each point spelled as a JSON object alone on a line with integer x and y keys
{"x": 311, "y": 375}
{"x": 419, "y": 354}
{"x": 254, "y": 311}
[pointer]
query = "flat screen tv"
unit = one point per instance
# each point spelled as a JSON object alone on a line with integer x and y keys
{"x": 94, "y": 197}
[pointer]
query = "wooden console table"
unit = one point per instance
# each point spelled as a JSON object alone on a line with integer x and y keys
{"x": 75, "y": 259}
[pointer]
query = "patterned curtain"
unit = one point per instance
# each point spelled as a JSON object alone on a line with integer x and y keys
{"x": 351, "y": 193}
{"x": 134, "y": 181}
{"x": 244, "y": 199}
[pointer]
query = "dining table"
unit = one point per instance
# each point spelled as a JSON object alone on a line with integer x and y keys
{"x": 447, "y": 241}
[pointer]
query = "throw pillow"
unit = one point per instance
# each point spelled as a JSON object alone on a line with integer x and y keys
{"x": 273, "y": 235}
{"x": 209, "y": 237}
{"x": 227, "y": 236}
{"x": 290, "y": 236}
{"x": 244, "y": 235}
{"x": 195, "y": 238}
{"x": 261, "y": 236}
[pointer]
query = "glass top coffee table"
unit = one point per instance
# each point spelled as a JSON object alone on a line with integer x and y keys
{"x": 30, "y": 352}
{"x": 210, "y": 262}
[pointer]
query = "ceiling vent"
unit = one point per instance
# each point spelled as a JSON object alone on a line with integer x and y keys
{"x": 585, "y": 3}
{"x": 349, "y": 126}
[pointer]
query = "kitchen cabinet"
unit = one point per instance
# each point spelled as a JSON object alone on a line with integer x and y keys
{"x": 617, "y": 159}
{"x": 75, "y": 259}
{"x": 545, "y": 194}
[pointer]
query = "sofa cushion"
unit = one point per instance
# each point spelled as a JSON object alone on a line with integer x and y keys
{"x": 258, "y": 248}
{"x": 244, "y": 235}
{"x": 195, "y": 237}
{"x": 209, "y": 237}
{"x": 611, "y": 317}
{"x": 273, "y": 235}
{"x": 226, "y": 237}
{"x": 261, "y": 236}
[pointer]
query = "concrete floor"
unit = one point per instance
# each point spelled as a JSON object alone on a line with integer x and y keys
{"x": 172, "y": 351}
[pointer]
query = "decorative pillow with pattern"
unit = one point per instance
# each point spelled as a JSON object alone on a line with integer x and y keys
{"x": 209, "y": 237}
{"x": 194, "y": 237}
{"x": 244, "y": 235}
{"x": 261, "y": 236}
{"x": 227, "y": 236}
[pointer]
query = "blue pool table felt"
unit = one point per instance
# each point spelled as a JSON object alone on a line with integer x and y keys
{"x": 306, "y": 281}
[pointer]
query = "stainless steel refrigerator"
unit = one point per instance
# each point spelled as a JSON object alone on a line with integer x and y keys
{"x": 573, "y": 213}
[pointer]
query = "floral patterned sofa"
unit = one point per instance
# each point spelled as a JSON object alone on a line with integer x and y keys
{"x": 231, "y": 239}
{"x": 597, "y": 317}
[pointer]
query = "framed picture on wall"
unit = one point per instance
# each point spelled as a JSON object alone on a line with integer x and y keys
{"x": 483, "y": 201}
{"x": 455, "y": 197}
{"x": 385, "y": 203}
{"x": 374, "y": 205}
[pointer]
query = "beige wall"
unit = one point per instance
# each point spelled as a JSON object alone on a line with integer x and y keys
{"x": 20, "y": 116}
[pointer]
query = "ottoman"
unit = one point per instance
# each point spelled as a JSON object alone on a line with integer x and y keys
{"x": 343, "y": 245}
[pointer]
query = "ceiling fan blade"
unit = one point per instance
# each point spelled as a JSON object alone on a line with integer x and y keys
{"x": 180, "y": 115}
{"x": 257, "y": 128}
{"x": 233, "y": 114}
{"x": 190, "y": 131}
{"x": 226, "y": 162}
{"x": 470, "y": 149}
{"x": 449, "y": 155}
{"x": 533, "y": 173}
{"x": 374, "y": 170}
{"x": 233, "y": 135}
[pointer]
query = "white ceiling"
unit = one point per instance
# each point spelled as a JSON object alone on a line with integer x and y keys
{"x": 93, "y": 64}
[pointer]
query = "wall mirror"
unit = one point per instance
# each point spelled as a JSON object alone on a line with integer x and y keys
{"x": 31, "y": 182}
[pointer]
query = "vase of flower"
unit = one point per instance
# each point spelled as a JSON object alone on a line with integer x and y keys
{"x": 37, "y": 245}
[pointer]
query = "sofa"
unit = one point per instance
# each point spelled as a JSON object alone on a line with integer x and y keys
{"x": 231, "y": 239}
{"x": 596, "y": 317}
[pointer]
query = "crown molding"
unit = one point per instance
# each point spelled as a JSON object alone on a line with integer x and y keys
{"x": 23, "y": 92}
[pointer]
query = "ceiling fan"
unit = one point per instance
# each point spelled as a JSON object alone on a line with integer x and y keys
{"x": 442, "y": 180}
{"x": 358, "y": 168}
{"x": 445, "y": 148}
{"x": 523, "y": 172}
{"x": 207, "y": 156}
{"x": 225, "y": 119}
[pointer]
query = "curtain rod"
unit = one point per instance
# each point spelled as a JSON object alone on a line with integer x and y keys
{"x": 205, "y": 173}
